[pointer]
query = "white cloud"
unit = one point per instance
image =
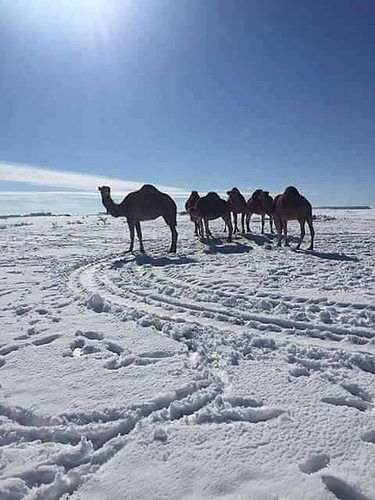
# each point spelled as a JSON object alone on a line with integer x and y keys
{"x": 70, "y": 180}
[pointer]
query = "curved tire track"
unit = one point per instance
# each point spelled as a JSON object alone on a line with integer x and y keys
{"x": 134, "y": 289}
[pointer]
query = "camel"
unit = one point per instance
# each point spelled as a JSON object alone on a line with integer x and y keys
{"x": 190, "y": 203}
{"x": 291, "y": 205}
{"x": 211, "y": 207}
{"x": 148, "y": 203}
{"x": 237, "y": 204}
{"x": 260, "y": 203}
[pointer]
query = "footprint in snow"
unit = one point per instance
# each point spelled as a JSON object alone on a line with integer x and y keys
{"x": 341, "y": 489}
{"x": 46, "y": 340}
{"x": 368, "y": 437}
{"x": 126, "y": 359}
{"x": 122, "y": 361}
{"x": 358, "y": 391}
{"x": 7, "y": 349}
{"x": 91, "y": 335}
{"x": 236, "y": 409}
{"x": 358, "y": 404}
{"x": 314, "y": 463}
{"x": 78, "y": 347}
{"x": 74, "y": 349}
{"x": 156, "y": 354}
{"x": 115, "y": 348}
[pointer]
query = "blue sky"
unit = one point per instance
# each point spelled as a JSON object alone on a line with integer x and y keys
{"x": 193, "y": 94}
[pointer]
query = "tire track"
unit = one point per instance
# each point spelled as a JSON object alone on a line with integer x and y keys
{"x": 136, "y": 291}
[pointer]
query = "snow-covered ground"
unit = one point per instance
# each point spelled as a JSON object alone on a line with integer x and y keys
{"x": 230, "y": 370}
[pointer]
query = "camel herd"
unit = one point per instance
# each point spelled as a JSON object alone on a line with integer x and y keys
{"x": 148, "y": 203}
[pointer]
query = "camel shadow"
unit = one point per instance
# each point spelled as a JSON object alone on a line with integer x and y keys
{"x": 118, "y": 263}
{"x": 267, "y": 238}
{"x": 218, "y": 246}
{"x": 328, "y": 255}
{"x": 143, "y": 259}
{"x": 258, "y": 239}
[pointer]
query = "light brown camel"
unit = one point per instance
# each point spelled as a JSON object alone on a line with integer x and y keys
{"x": 292, "y": 206}
{"x": 237, "y": 205}
{"x": 211, "y": 207}
{"x": 260, "y": 203}
{"x": 190, "y": 203}
{"x": 148, "y": 203}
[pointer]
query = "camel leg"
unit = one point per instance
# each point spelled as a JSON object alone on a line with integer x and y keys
{"x": 131, "y": 232}
{"x": 206, "y": 228}
{"x": 198, "y": 228}
{"x": 279, "y": 229}
{"x": 248, "y": 218}
{"x": 201, "y": 230}
{"x": 312, "y": 233}
{"x": 139, "y": 236}
{"x": 209, "y": 234}
{"x": 230, "y": 227}
{"x": 302, "y": 226}
{"x": 286, "y": 232}
{"x": 262, "y": 230}
{"x": 173, "y": 248}
{"x": 243, "y": 222}
{"x": 170, "y": 220}
{"x": 271, "y": 228}
{"x": 235, "y": 230}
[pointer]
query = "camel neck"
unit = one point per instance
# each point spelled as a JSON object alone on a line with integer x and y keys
{"x": 111, "y": 206}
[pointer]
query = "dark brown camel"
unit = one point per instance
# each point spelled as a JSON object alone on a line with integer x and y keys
{"x": 148, "y": 203}
{"x": 211, "y": 207}
{"x": 237, "y": 205}
{"x": 292, "y": 206}
{"x": 190, "y": 203}
{"x": 260, "y": 203}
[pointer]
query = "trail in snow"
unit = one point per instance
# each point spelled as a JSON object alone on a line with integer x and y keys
{"x": 243, "y": 367}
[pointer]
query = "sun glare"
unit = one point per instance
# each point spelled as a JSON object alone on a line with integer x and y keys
{"x": 83, "y": 21}
{"x": 90, "y": 9}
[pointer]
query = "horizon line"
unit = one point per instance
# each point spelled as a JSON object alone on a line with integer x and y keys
{"x": 41, "y": 176}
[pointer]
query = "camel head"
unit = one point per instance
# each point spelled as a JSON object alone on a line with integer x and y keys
{"x": 291, "y": 191}
{"x": 105, "y": 191}
{"x": 234, "y": 191}
{"x": 257, "y": 194}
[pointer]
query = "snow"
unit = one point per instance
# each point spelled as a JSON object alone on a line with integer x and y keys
{"x": 227, "y": 371}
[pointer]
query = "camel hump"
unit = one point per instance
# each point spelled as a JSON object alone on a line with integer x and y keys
{"x": 212, "y": 195}
{"x": 291, "y": 191}
{"x": 234, "y": 192}
{"x": 149, "y": 188}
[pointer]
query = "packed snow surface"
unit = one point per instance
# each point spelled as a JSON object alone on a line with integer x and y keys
{"x": 230, "y": 370}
